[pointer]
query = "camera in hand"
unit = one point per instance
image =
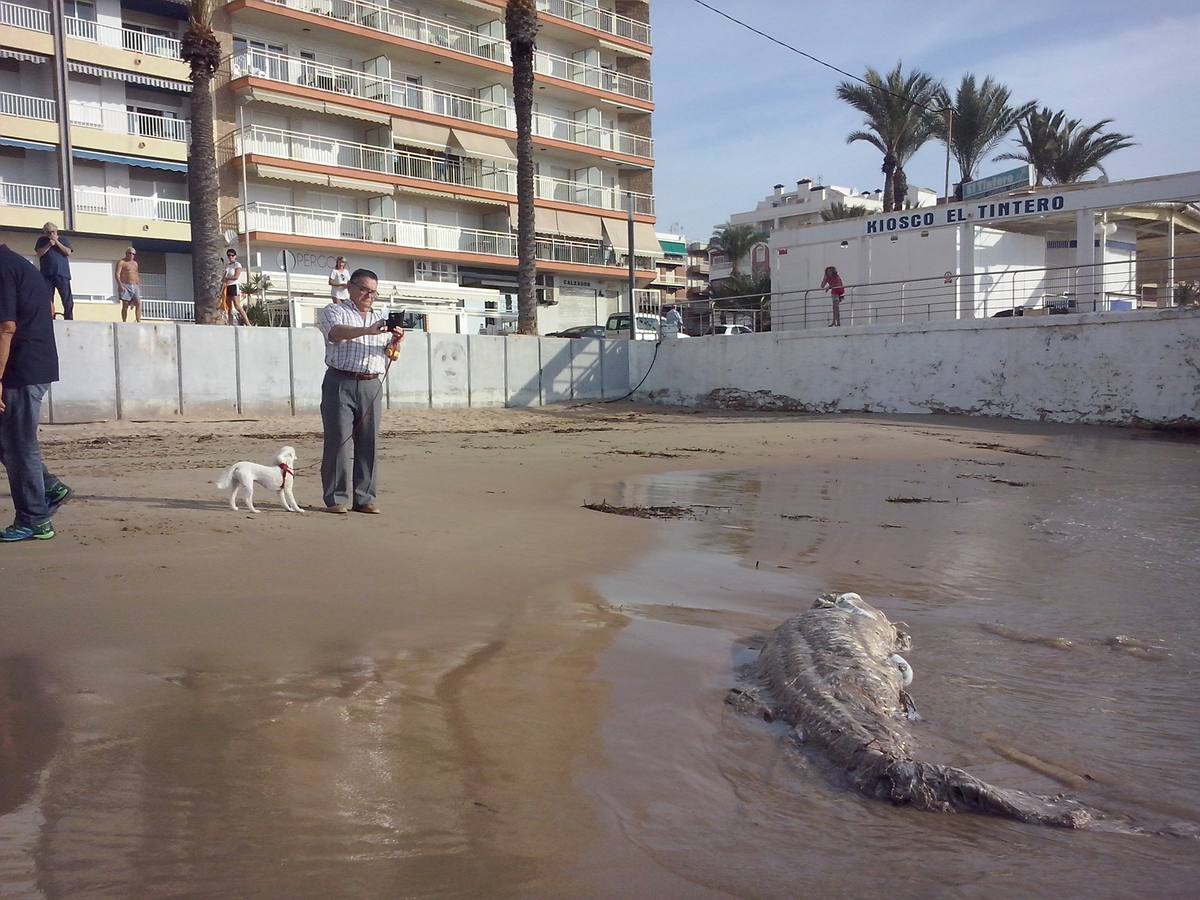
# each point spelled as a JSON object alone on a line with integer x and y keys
{"x": 401, "y": 319}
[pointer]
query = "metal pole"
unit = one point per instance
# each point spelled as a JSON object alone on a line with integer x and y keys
{"x": 287, "y": 280}
{"x": 66, "y": 172}
{"x": 1171, "y": 259}
{"x": 949, "y": 139}
{"x": 632, "y": 281}
{"x": 246, "y": 194}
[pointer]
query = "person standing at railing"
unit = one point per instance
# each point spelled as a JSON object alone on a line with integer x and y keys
{"x": 232, "y": 301}
{"x": 129, "y": 285}
{"x": 338, "y": 279}
{"x": 54, "y": 253}
{"x": 832, "y": 282}
{"x": 28, "y": 366}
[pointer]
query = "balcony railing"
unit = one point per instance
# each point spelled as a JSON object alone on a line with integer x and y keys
{"x": 24, "y": 17}
{"x": 407, "y": 95}
{"x": 168, "y": 310}
{"x": 31, "y": 196}
{"x": 323, "y": 224}
{"x": 599, "y": 19}
{"x": 282, "y": 144}
{"x": 161, "y": 128}
{"x": 123, "y": 38}
{"x": 25, "y": 107}
{"x": 471, "y": 43}
{"x": 130, "y": 206}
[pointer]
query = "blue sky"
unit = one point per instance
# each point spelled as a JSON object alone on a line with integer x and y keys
{"x": 736, "y": 114}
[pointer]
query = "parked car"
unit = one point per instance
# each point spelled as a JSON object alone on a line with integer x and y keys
{"x": 648, "y": 326}
{"x": 729, "y": 329}
{"x": 580, "y": 331}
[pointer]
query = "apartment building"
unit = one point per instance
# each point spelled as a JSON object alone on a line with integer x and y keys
{"x": 380, "y": 132}
{"x": 386, "y": 134}
{"x": 93, "y": 137}
{"x": 670, "y": 282}
{"x": 697, "y": 270}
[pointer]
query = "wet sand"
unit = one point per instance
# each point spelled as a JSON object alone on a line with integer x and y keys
{"x": 490, "y": 690}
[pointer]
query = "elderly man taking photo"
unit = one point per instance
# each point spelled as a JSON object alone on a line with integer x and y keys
{"x": 356, "y": 344}
{"x": 28, "y": 364}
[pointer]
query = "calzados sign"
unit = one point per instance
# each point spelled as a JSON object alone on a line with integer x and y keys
{"x": 955, "y": 215}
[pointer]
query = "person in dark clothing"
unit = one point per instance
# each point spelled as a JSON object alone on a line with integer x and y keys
{"x": 28, "y": 365}
{"x": 54, "y": 253}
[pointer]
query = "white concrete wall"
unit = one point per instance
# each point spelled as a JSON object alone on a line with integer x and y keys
{"x": 1116, "y": 368}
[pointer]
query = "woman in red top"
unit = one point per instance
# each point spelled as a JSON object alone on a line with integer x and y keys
{"x": 833, "y": 283}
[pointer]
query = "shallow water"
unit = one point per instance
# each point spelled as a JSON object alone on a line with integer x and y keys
{"x": 732, "y": 804}
{"x": 575, "y": 742}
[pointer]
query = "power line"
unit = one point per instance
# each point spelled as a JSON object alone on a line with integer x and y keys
{"x": 816, "y": 59}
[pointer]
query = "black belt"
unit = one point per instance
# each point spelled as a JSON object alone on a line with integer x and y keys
{"x": 357, "y": 376}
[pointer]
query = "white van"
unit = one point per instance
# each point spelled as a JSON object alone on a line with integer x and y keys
{"x": 649, "y": 326}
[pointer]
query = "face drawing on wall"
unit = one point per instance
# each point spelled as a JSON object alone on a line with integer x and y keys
{"x": 450, "y": 362}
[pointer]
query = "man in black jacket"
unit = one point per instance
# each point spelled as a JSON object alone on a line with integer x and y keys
{"x": 28, "y": 365}
{"x": 54, "y": 254}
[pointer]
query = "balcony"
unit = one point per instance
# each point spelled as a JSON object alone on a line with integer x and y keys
{"x": 130, "y": 39}
{"x": 598, "y": 19}
{"x": 127, "y": 215}
{"x": 24, "y": 17}
{"x": 125, "y": 48}
{"x": 326, "y": 225}
{"x": 469, "y": 43}
{"x": 25, "y": 107}
{"x": 136, "y": 125}
{"x": 368, "y": 158}
{"x": 25, "y": 205}
{"x": 294, "y": 70}
{"x": 28, "y": 118}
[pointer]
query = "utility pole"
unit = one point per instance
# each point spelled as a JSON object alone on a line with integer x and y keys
{"x": 66, "y": 175}
{"x": 632, "y": 282}
{"x": 949, "y": 139}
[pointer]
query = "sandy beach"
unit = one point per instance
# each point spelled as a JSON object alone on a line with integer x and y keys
{"x": 475, "y": 692}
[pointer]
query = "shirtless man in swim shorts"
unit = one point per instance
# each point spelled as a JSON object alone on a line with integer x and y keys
{"x": 129, "y": 285}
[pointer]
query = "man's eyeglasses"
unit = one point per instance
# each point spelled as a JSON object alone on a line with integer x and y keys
{"x": 362, "y": 290}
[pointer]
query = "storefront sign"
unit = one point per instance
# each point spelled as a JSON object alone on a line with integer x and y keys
{"x": 975, "y": 213}
{"x": 1000, "y": 183}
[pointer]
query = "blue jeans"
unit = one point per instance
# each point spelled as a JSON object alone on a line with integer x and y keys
{"x": 22, "y": 457}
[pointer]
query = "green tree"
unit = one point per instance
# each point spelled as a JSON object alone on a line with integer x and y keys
{"x": 840, "y": 210}
{"x": 983, "y": 116}
{"x": 521, "y": 24}
{"x": 1062, "y": 150}
{"x": 899, "y": 117}
{"x": 735, "y": 242}
{"x": 202, "y": 52}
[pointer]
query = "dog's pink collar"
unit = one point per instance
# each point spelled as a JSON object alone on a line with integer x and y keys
{"x": 285, "y": 470}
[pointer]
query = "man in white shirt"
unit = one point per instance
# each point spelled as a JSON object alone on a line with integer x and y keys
{"x": 352, "y": 395}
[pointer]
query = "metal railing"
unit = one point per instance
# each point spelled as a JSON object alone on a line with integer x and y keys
{"x": 87, "y": 115}
{"x": 26, "y": 107}
{"x": 24, "y": 17}
{"x": 168, "y": 310}
{"x": 471, "y": 43}
{"x": 1102, "y": 287}
{"x": 123, "y": 38}
{"x": 296, "y": 70}
{"x": 130, "y": 206}
{"x": 599, "y": 19}
{"x": 598, "y": 196}
{"x": 32, "y": 196}
{"x": 324, "y": 224}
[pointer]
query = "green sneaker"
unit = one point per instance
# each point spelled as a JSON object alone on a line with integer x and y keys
{"x": 58, "y": 495}
{"x": 14, "y": 533}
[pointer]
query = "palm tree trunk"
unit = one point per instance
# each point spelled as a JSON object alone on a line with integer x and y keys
{"x": 522, "y": 63}
{"x": 889, "y": 169}
{"x": 899, "y": 188}
{"x": 202, "y": 200}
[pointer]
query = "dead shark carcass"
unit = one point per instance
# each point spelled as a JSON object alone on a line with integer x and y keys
{"x": 835, "y": 674}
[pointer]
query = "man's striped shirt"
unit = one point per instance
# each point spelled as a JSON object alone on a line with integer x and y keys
{"x": 363, "y": 355}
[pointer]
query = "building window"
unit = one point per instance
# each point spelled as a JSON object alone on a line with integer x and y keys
{"x": 441, "y": 272}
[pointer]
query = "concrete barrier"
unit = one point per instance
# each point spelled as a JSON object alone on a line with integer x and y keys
{"x": 486, "y": 355}
{"x": 208, "y": 383}
{"x": 308, "y": 368}
{"x": 523, "y": 371}
{"x": 556, "y": 369}
{"x": 87, "y": 387}
{"x": 449, "y": 371}
{"x": 408, "y": 378}
{"x": 264, "y": 371}
{"x": 614, "y": 369}
{"x": 147, "y": 364}
{"x": 587, "y": 379}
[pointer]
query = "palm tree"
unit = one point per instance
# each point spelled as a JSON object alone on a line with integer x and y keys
{"x": 202, "y": 52}
{"x": 1038, "y": 136}
{"x": 900, "y": 117}
{"x": 735, "y": 241}
{"x": 1062, "y": 150}
{"x": 521, "y": 24}
{"x": 983, "y": 117}
{"x": 1080, "y": 150}
{"x": 840, "y": 210}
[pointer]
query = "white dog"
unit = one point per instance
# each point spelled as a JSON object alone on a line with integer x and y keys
{"x": 280, "y": 477}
